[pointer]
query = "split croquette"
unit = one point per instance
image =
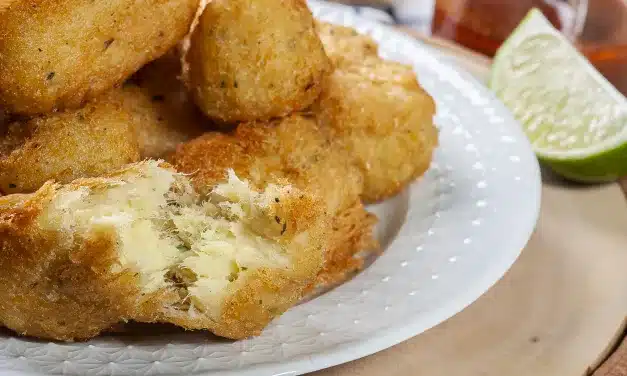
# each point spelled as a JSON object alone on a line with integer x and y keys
{"x": 254, "y": 219}
{"x": 140, "y": 244}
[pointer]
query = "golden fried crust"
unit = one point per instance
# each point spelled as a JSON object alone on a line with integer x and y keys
{"x": 68, "y": 283}
{"x": 56, "y": 54}
{"x": 296, "y": 150}
{"x": 387, "y": 126}
{"x": 53, "y": 287}
{"x": 352, "y": 233}
{"x": 67, "y": 145}
{"x": 162, "y": 112}
{"x": 379, "y": 71}
{"x": 207, "y": 157}
{"x": 378, "y": 112}
{"x": 344, "y": 45}
{"x": 255, "y": 59}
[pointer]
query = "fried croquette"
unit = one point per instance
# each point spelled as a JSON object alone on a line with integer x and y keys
{"x": 344, "y": 45}
{"x": 140, "y": 244}
{"x": 378, "y": 112}
{"x": 293, "y": 149}
{"x": 163, "y": 113}
{"x": 67, "y": 145}
{"x": 56, "y": 54}
{"x": 255, "y": 59}
{"x": 388, "y": 129}
{"x": 380, "y": 71}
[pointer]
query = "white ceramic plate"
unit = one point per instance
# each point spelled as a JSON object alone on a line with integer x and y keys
{"x": 448, "y": 239}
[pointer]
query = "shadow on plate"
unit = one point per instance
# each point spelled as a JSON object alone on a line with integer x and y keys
{"x": 391, "y": 214}
{"x": 552, "y": 179}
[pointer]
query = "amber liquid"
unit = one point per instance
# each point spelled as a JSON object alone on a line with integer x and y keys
{"x": 482, "y": 25}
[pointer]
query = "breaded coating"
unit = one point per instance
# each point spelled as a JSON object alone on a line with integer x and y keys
{"x": 54, "y": 287}
{"x": 378, "y": 112}
{"x": 164, "y": 115}
{"x": 147, "y": 118}
{"x": 352, "y": 238}
{"x": 388, "y": 129}
{"x": 344, "y": 45}
{"x": 255, "y": 59}
{"x": 380, "y": 71}
{"x": 57, "y": 54}
{"x": 67, "y": 145}
{"x": 293, "y": 149}
{"x": 140, "y": 244}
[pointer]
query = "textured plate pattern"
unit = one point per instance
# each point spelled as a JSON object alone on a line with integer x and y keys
{"x": 448, "y": 239}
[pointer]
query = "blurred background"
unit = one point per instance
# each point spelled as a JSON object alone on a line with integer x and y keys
{"x": 598, "y": 28}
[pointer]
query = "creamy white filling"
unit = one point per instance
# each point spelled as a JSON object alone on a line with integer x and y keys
{"x": 169, "y": 237}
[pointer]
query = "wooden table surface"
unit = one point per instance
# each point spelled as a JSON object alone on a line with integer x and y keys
{"x": 560, "y": 311}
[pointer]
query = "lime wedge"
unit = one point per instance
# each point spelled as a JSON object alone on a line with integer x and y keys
{"x": 575, "y": 119}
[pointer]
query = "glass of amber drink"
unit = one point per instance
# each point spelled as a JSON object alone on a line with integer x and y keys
{"x": 598, "y": 28}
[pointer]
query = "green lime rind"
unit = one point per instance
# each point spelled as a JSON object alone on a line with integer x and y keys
{"x": 606, "y": 166}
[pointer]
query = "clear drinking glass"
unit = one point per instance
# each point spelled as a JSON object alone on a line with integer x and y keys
{"x": 597, "y": 27}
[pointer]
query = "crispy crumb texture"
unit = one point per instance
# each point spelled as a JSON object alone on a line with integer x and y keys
{"x": 255, "y": 59}
{"x": 378, "y": 112}
{"x": 57, "y": 54}
{"x": 344, "y": 45}
{"x": 163, "y": 114}
{"x": 64, "y": 146}
{"x": 141, "y": 244}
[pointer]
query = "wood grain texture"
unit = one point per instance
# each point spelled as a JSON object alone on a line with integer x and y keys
{"x": 616, "y": 365}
